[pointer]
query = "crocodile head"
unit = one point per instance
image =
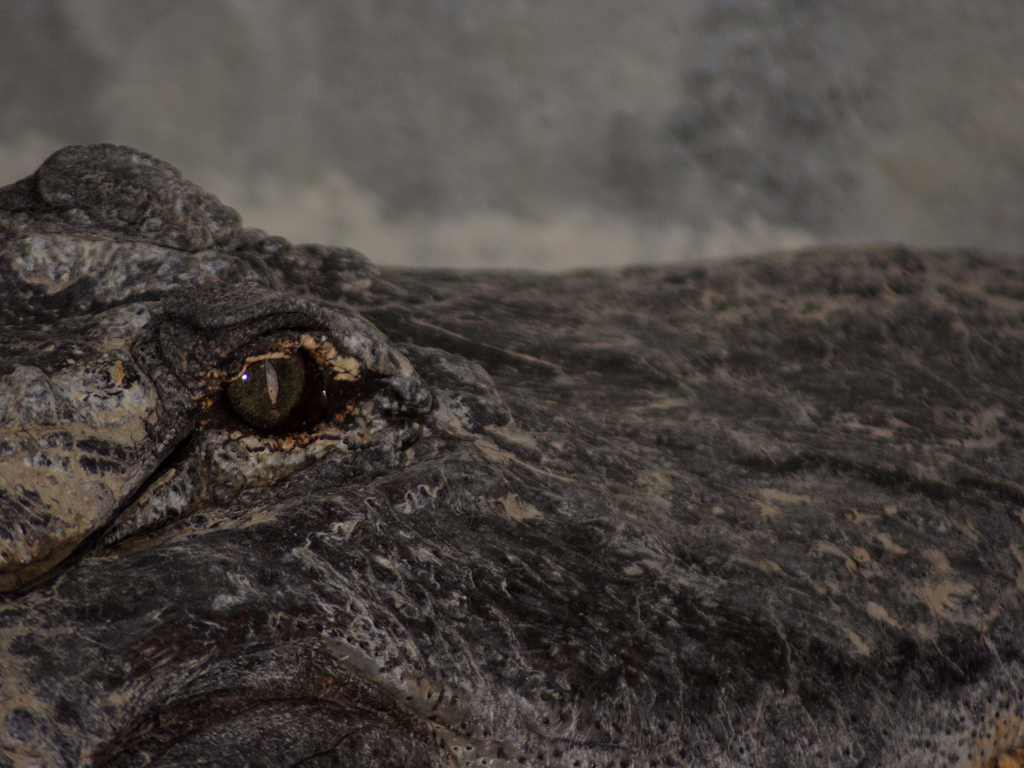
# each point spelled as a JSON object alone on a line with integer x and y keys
{"x": 263, "y": 505}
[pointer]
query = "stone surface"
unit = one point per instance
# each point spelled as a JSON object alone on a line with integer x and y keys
{"x": 547, "y": 135}
{"x": 759, "y": 513}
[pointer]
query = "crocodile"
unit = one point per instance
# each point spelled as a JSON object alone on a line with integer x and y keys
{"x": 264, "y": 504}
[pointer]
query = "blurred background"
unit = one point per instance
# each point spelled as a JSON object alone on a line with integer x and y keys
{"x": 546, "y": 135}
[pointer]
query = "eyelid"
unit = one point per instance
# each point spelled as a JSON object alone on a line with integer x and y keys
{"x": 246, "y": 363}
{"x": 336, "y": 366}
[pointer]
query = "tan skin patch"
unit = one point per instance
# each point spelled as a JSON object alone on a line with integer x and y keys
{"x": 1001, "y": 745}
{"x": 342, "y": 368}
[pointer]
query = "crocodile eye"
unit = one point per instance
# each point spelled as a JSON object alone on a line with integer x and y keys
{"x": 277, "y": 393}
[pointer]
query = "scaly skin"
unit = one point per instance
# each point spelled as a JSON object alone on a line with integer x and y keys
{"x": 761, "y": 513}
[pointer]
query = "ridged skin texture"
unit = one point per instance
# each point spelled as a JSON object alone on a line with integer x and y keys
{"x": 762, "y": 513}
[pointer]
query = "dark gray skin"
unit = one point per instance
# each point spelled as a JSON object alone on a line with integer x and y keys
{"x": 761, "y": 513}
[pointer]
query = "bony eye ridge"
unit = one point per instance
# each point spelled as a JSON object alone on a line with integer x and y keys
{"x": 278, "y": 393}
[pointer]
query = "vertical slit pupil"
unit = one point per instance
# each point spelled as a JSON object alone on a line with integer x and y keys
{"x": 273, "y": 383}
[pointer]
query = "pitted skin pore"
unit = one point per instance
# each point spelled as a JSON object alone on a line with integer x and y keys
{"x": 766, "y": 512}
